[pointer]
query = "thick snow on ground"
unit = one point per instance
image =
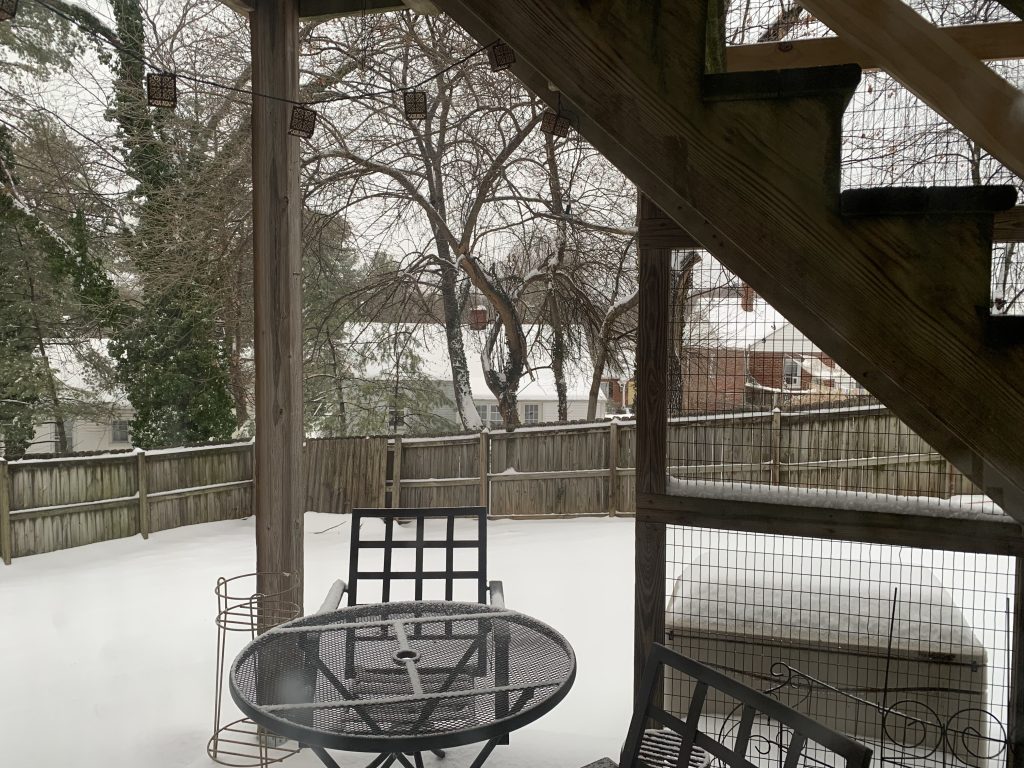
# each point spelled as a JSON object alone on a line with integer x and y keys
{"x": 107, "y": 652}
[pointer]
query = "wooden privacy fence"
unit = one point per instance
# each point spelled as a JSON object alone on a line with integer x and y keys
{"x": 570, "y": 470}
{"x": 51, "y": 504}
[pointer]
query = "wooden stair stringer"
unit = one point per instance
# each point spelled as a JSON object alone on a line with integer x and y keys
{"x": 898, "y": 301}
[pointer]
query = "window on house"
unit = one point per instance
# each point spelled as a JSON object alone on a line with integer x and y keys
{"x": 489, "y": 415}
{"x": 119, "y": 432}
{"x": 531, "y": 413}
{"x": 396, "y": 418}
{"x": 791, "y": 374}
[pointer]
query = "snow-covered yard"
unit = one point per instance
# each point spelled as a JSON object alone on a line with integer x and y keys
{"x": 108, "y": 651}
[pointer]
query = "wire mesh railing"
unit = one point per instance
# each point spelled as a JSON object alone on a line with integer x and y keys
{"x": 905, "y": 649}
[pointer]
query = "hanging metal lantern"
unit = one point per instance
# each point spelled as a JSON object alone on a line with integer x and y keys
{"x": 416, "y": 105}
{"x": 501, "y": 55}
{"x": 303, "y": 122}
{"x": 162, "y": 90}
{"x": 555, "y": 124}
{"x": 8, "y": 9}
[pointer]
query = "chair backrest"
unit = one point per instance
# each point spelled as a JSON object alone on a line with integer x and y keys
{"x": 757, "y": 723}
{"x": 397, "y": 553}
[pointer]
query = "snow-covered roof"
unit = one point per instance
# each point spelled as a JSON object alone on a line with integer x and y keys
{"x": 722, "y": 322}
{"x": 786, "y": 338}
{"x": 429, "y": 343}
{"x": 69, "y": 363}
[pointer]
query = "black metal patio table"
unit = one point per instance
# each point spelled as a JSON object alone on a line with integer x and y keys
{"x": 402, "y": 678}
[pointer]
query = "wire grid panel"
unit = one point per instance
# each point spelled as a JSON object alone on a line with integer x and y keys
{"x": 755, "y": 405}
{"x": 904, "y": 649}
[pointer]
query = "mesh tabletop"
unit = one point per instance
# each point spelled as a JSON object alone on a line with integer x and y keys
{"x": 403, "y": 676}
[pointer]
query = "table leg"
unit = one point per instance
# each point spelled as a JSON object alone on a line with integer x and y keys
{"x": 486, "y": 752}
{"x": 325, "y": 758}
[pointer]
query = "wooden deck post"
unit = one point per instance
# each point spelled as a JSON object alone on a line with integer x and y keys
{"x": 613, "y": 468}
{"x": 485, "y": 468}
{"x": 143, "y": 485}
{"x": 396, "y": 474}
{"x": 5, "y": 514}
{"x": 277, "y": 221}
{"x": 651, "y": 437}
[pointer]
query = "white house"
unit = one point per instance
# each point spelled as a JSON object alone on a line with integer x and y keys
{"x": 538, "y": 398}
{"x": 101, "y": 414}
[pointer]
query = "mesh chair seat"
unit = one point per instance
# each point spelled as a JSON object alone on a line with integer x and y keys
{"x": 660, "y": 749}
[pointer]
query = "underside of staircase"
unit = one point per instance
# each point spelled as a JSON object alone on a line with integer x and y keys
{"x": 892, "y": 283}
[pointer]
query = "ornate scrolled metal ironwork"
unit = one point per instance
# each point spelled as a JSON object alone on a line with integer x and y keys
{"x": 911, "y": 728}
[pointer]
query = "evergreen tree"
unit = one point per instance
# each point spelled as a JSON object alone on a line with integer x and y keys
{"x": 175, "y": 378}
{"x": 168, "y": 357}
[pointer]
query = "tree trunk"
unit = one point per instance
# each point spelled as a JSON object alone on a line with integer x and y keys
{"x": 61, "y": 443}
{"x": 456, "y": 350}
{"x": 558, "y": 360}
{"x": 595, "y": 382}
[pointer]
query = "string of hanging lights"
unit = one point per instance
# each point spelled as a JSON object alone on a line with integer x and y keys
{"x": 162, "y": 85}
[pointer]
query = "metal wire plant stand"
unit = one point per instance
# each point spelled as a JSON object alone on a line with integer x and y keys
{"x": 241, "y": 608}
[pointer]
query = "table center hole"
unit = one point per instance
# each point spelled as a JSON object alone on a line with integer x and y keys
{"x": 406, "y": 654}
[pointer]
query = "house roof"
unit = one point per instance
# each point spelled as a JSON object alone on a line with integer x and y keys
{"x": 81, "y": 381}
{"x": 429, "y": 343}
{"x": 723, "y": 322}
{"x": 786, "y": 338}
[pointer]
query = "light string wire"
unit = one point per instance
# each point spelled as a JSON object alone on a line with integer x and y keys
{"x": 102, "y": 40}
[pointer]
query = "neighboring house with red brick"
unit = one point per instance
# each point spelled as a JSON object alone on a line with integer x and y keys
{"x": 737, "y": 352}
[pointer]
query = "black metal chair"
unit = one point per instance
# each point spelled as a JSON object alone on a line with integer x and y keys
{"x": 419, "y": 574}
{"x": 405, "y": 561}
{"x": 777, "y": 732}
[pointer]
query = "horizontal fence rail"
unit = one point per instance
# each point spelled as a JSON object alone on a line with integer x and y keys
{"x": 559, "y": 471}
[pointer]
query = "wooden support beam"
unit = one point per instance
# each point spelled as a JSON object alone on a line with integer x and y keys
{"x": 987, "y": 42}
{"x": 277, "y": 268}
{"x": 982, "y": 533}
{"x": 333, "y": 8}
{"x": 661, "y": 232}
{"x": 936, "y": 68}
{"x": 651, "y": 433}
{"x": 756, "y": 183}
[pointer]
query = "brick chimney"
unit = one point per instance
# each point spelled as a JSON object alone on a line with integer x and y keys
{"x": 478, "y": 318}
{"x": 747, "y": 298}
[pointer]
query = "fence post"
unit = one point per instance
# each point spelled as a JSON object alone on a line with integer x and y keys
{"x": 143, "y": 485}
{"x": 396, "y": 475}
{"x": 776, "y": 445}
{"x": 5, "y": 514}
{"x": 613, "y": 468}
{"x": 485, "y": 467}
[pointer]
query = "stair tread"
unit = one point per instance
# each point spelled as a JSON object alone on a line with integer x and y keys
{"x": 897, "y": 201}
{"x": 781, "y": 83}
